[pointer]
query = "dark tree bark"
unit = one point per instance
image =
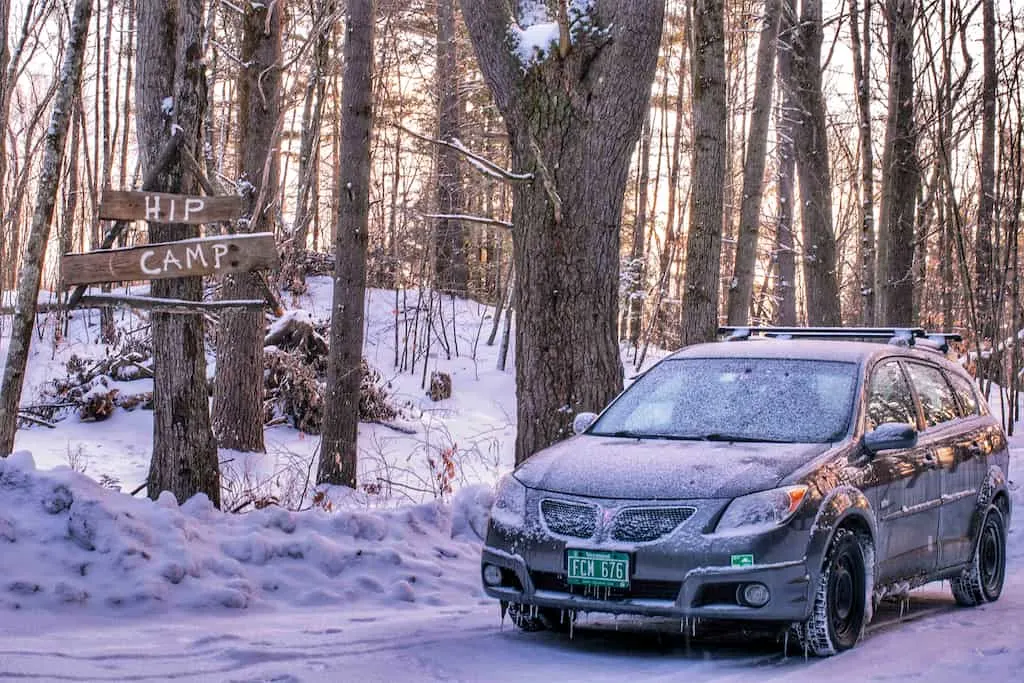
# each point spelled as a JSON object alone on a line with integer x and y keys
{"x": 820, "y": 282}
{"x": 42, "y": 218}
{"x": 5, "y": 87}
{"x": 169, "y": 57}
{"x": 900, "y": 175}
{"x": 985, "y": 266}
{"x": 238, "y": 390}
{"x": 786, "y": 124}
{"x": 741, "y": 290}
{"x": 862, "y": 76}
{"x": 450, "y": 241}
{"x": 338, "y": 455}
{"x": 573, "y": 122}
{"x": 710, "y": 114}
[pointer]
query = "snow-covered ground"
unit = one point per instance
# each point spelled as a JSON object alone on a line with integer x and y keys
{"x": 98, "y": 585}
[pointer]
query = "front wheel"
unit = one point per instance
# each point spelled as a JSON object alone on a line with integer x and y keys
{"x": 841, "y": 603}
{"x": 982, "y": 581}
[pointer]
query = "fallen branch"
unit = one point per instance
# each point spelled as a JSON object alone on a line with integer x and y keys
{"x": 28, "y": 417}
{"x": 390, "y": 425}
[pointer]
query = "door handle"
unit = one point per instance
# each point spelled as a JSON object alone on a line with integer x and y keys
{"x": 975, "y": 450}
{"x": 930, "y": 460}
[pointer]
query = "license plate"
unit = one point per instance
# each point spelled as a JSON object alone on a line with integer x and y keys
{"x": 597, "y": 568}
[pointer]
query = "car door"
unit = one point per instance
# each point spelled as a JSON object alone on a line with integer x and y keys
{"x": 964, "y": 469}
{"x": 906, "y": 489}
{"x": 941, "y": 438}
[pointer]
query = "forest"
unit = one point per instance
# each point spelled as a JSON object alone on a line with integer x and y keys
{"x": 609, "y": 174}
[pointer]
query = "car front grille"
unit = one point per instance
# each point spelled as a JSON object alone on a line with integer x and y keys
{"x": 578, "y": 520}
{"x": 647, "y": 524}
{"x": 637, "y": 590}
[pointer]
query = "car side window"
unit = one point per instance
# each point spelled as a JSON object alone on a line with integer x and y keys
{"x": 889, "y": 397}
{"x": 965, "y": 392}
{"x": 937, "y": 400}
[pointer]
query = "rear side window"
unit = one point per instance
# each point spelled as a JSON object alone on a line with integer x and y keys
{"x": 889, "y": 397}
{"x": 937, "y": 400}
{"x": 965, "y": 393}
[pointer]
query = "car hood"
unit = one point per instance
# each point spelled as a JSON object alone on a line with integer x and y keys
{"x": 609, "y": 467}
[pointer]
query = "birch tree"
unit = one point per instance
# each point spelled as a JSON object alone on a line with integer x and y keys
{"x": 69, "y": 79}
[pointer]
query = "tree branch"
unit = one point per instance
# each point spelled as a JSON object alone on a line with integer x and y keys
{"x": 484, "y": 165}
{"x": 469, "y": 219}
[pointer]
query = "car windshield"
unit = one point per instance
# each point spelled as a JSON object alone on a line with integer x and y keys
{"x": 736, "y": 399}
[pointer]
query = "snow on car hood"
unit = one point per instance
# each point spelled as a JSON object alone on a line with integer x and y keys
{"x": 609, "y": 467}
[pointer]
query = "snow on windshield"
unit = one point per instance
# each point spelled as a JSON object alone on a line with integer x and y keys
{"x": 743, "y": 399}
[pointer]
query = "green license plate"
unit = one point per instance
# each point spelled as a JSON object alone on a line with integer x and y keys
{"x": 597, "y": 568}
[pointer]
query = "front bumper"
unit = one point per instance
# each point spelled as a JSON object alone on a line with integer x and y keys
{"x": 706, "y": 592}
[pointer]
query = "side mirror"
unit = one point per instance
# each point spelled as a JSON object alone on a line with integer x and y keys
{"x": 890, "y": 436}
{"x": 582, "y": 422}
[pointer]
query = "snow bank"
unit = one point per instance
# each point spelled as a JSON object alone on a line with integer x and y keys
{"x": 68, "y": 544}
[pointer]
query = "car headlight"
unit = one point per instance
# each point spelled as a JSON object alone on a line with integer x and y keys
{"x": 762, "y": 511}
{"x": 509, "y": 508}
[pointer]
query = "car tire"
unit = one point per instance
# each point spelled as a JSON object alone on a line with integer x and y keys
{"x": 842, "y": 601}
{"x": 982, "y": 580}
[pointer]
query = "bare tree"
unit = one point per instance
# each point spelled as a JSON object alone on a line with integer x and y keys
{"x": 338, "y": 455}
{"x": 813, "y": 168}
{"x": 704, "y": 242}
{"x": 786, "y": 131}
{"x": 170, "y": 96}
{"x": 742, "y": 288}
{"x": 449, "y": 239}
{"x": 985, "y": 267}
{"x": 238, "y": 391}
{"x": 861, "y": 75}
{"x": 900, "y": 174}
{"x": 573, "y": 116}
{"x": 69, "y": 79}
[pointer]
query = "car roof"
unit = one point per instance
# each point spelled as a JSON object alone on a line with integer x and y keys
{"x": 808, "y": 349}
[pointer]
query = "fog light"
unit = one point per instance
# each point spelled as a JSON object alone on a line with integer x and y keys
{"x": 492, "y": 575}
{"x": 756, "y": 594}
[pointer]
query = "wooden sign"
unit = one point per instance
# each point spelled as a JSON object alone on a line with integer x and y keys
{"x": 203, "y": 256}
{"x": 168, "y": 208}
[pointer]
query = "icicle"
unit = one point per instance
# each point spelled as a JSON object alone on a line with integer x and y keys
{"x": 572, "y": 629}
{"x": 807, "y": 642}
{"x": 504, "y": 609}
{"x": 904, "y": 601}
{"x": 785, "y": 645}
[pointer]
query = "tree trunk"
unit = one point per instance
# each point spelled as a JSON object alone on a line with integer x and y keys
{"x": 5, "y": 88}
{"x": 985, "y": 254}
{"x": 786, "y": 121}
{"x": 741, "y": 290}
{"x": 573, "y": 122}
{"x": 900, "y": 175}
{"x": 450, "y": 267}
{"x": 42, "y": 218}
{"x": 170, "y": 63}
{"x": 238, "y": 391}
{"x": 812, "y": 162}
{"x": 338, "y": 455}
{"x": 862, "y": 76}
{"x": 704, "y": 241}
{"x": 638, "y": 262}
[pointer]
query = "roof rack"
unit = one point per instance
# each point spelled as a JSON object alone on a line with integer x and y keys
{"x": 903, "y": 336}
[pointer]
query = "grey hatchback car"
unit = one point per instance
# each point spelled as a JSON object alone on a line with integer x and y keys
{"x": 793, "y": 476}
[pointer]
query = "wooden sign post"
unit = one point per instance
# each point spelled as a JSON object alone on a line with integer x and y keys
{"x": 168, "y": 208}
{"x": 185, "y": 258}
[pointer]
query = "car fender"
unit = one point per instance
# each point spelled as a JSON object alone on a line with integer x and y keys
{"x": 840, "y": 505}
{"x": 994, "y": 484}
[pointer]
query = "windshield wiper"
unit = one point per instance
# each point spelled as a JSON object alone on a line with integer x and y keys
{"x": 734, "y": 438}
